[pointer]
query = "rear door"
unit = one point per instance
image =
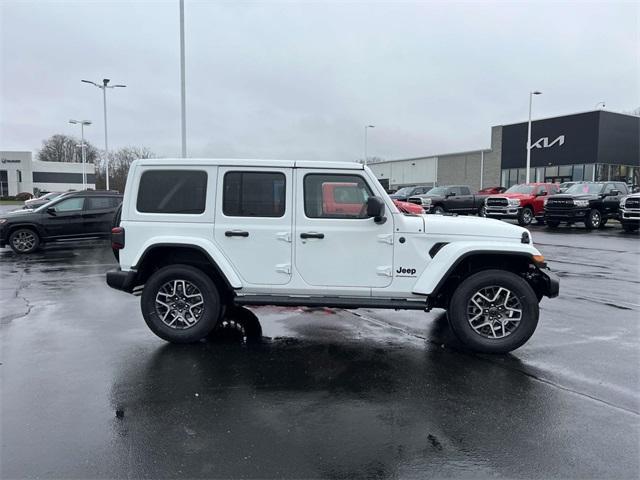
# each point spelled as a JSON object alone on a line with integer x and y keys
{"x": 98, "y": 214}
{"x": 254, "y": 225}
{"x": 65, "y": 218}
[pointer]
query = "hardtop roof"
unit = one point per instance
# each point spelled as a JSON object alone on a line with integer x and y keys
{"x": 249, "y": 162}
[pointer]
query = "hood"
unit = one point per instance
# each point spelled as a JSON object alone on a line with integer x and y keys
{"x": 478, "y": 227}
{"x": 17, "y": 213}
{"x": 580, "y": 196}
{"x": 512, "y": 195}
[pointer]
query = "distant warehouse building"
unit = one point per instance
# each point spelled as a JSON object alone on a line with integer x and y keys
{"x": 20, "y": 173}
{"x": 597, "y": 145}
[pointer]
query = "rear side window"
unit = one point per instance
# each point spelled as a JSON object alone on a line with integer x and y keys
{"x": 172, "y": 191}
{"x": 102, "y": 203}
{"x": 254, "y": 194}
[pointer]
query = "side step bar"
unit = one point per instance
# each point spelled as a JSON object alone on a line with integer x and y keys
{"x": 332, "y": 302}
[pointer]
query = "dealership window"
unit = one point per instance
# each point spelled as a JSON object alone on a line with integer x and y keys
{"x": 172, "y": 191}
{"x": 19, "y": 173}
{"x": 565, "y": 170}
{"x": 505, "y": 178}
{"x": 601, "y": 172}
{"x": 540, "y": 174}
{"x": 4, "y": 183}
{"x": 254, "y": 194}
{"x": 578, "y": 173}
{"x": 551, "y": 171}
{"x": 522, "y": 175}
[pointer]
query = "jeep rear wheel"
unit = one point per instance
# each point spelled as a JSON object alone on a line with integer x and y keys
{"x": 493, "y": 311}
{"x": 180, "y": 304}
{"x": 594, "y": 219}
{"x": 525, "y": 216}
{"x": 24, "y": 240}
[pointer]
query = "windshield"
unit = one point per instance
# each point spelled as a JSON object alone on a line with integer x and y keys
{"x": 585, "y": 188}
{"x": 437, "y": 191}
{"x": 404, "y": 191}
{"x": 521, "y": 189}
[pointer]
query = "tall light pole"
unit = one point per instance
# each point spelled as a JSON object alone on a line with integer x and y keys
{"x": 82, "y": 148}
{"x": 366, "y": 127}
{"x": 104, "y": 86}
{"x": 183, "y": 91}
{"x": 531, "y": 94}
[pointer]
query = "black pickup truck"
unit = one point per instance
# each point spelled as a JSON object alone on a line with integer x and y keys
{"x": 451, "y": 199}
{"x": 591, "y": 203}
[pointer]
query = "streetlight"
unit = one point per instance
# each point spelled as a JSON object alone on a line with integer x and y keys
{"x": 103, "y": 87}
{"x": 82, "y": 146}
{"x": 366, "y": 127}
{"x": 600, "y": 103}
{"x": 183, "y": 89}
{"x": 531, "y": 94}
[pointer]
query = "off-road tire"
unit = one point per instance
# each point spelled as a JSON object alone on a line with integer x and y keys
{"x": 593, "y": 219}
{"x": 211, "y": 298}
{"x": 18, "y": 240}
{"x": 459, "y": 305}
{"x": 525, "y": 216}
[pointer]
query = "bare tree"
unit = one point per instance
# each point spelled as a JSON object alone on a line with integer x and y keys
{"x": 63, "y": 148}
{"x": 119, "y": 163}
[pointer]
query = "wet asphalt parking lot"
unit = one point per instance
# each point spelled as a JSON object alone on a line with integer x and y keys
{"x": 89, "y": 392}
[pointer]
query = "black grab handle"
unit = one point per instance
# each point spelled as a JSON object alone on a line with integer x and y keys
{"x": 236, "y": 233}
{"x": 312, "y": 235}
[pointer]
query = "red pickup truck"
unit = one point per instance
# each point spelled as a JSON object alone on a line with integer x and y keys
{"x": 523, "y": 202}
{"x": 347, "y": 199}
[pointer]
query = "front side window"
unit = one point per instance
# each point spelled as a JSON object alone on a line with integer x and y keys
{"x": 335, "y": 196}
{"x": 70, "y": 205}
{"x": 254, "y": 194}
{"x": 172, "y": 191}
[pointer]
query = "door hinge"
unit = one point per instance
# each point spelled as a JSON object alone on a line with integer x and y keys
{"x": 386, "y": 238}
{"x": 283, "y": 268}
{"x": 384, "y": 271}
{"x": 284, "y": 236}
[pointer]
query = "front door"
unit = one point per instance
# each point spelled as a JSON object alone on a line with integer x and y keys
{"x": 253, "y": 227}
{"x": 64, "y": 219}
{"x": 336, "y": 244}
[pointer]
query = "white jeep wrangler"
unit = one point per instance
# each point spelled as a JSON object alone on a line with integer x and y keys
{"x": 199, "y": 237}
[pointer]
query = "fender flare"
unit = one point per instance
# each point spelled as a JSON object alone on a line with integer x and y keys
{"x": 211, "y": 251}
{"x": 451, "y": 255}
{"x": 33, "y": 226}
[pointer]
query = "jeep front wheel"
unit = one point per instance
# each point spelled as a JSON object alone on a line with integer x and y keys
{"x": 525, "y": 216}
{"x": 180, "y": 304}
{"x": 493, "y": 311}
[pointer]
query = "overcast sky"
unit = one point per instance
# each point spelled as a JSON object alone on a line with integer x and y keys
{"x": 299, "y": 80}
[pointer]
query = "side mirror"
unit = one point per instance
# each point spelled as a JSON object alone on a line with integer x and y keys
{"x": 614, "y": 193}
{"x": 541, "y": 194}
{"x": 51, "y": 210}
{"x": 450, "y": 194}
{"x": 375, "y": 208}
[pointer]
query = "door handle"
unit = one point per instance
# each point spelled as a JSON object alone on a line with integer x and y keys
{"x": 311, "y": 235}
{"x": 236, "y": 233}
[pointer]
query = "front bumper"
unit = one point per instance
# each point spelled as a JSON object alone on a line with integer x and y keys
{"x": 568, "y": 215}
{"x": 629, "y": 216}
{"x": 551, "y": 283}
{"x": 120, "y": 280}
{"x": 502, "y": 212}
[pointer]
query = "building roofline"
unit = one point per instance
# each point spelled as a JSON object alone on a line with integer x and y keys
{"x": 430, "y": 156}
{"x": 567, "y": 115}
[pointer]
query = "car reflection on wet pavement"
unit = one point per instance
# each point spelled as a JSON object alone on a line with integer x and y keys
{"x": 88, "y": 391}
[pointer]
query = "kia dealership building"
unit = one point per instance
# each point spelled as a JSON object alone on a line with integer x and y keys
{"x": 20, "y": 173}
{"x": 597, "y": 145}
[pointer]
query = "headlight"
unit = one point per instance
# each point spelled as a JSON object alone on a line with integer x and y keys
{"x": 622, "y": 200}
{"x": 426, "y": 201}
{"x": 3, "y": 220}
{"x": 514, "y": 201}
{"x": 581, "y": 203}
{"x": 545, "y": 201}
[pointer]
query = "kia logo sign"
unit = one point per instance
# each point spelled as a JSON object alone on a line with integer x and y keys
{"x": 544, "y": 142}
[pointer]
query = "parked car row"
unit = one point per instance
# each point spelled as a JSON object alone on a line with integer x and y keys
{"x": 591, "y": 203}
{"x": 70, "y": 216}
